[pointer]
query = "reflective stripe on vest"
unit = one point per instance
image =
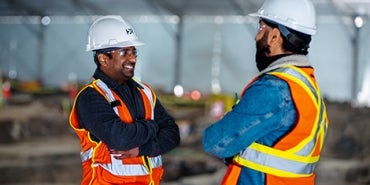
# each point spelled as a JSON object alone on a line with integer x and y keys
{"x": 86, "y": 155}
{"x": 297, "y": 161}
{"x": 116, "y": 167}
{"x": 299, "y": 76}
{"x": 149, "y": 94}
{"x": 110, "y": 97}
{"x": 108, "y": 93}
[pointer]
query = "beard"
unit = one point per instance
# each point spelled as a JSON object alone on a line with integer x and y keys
{"x": 262, "y": 50}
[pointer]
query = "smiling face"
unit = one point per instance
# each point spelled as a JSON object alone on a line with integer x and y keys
{"x": 120, "y": 65}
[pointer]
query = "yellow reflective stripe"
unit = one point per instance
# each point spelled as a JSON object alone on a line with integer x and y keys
{"x": 303, "y": 85}
{"x": 306, "y": 77}
{"x": 268, "y": 163}
{"x": 300, "y": 77}
{"x": 279, "y": 154}
{"x": 86, "y": 155}
{"x": 270, "y": 170}
{"x": 323, "y": 130}
{"x": 149, "y": 167}
{"x": 153, "y": 162}
{"x": 304, "y": 142}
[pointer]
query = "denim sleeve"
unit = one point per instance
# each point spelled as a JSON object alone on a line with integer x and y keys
{"x": 263, "y": 114}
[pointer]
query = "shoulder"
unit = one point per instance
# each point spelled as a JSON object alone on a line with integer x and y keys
{"x": 267, "y": 85}
{"x": 87, "y": 90}
{"x": 267, "y": 94}
{"x": 270, "y": 80}
{"x": 143, "y": 85}
{"x": 139, "y": 83}
{"x": 87, "y": 95}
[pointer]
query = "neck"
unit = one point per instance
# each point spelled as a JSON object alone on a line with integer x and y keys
{"x": 296, "y": 60}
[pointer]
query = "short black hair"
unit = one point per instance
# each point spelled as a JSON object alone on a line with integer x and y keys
{"x": 294, "y": 41}
{"x": 105, "y": 51}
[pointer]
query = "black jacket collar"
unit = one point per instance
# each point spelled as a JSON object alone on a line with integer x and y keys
{"x": 98, "y": 74}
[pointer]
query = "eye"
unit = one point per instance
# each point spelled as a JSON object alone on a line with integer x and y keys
{"x": 128, "y": 53}
{"x": 260, "y": 27}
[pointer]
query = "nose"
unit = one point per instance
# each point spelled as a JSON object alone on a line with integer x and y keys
{"x": 132, "y": 58}
{"x": 131, "y": 54}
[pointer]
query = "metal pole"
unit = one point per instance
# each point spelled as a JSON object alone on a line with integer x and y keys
{"x": 40, "y": 63}
{"x": 356, "y": 42}
{"x": 177, "y": 66}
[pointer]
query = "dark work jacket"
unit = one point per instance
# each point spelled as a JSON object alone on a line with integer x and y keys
{"x": 153, "y": 137}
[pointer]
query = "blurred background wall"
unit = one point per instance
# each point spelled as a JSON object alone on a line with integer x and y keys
{"x": 216, "y": 51}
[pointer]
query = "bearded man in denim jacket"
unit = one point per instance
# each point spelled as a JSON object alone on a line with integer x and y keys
{"x": 275, "y": 133}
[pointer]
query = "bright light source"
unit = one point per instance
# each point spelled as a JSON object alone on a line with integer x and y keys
{"x": 174, "y": 19}
{"x": 216, "y": 86}
{"x": 45, "y": 20}
{"x": 178, "y": 90}
{"x": 12, "y": 74}
{"x": 195, "y": 95}
{"x": 359, "y": 22}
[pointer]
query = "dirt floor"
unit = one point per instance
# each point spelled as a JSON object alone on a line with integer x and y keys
{"x": 37, "y": 145}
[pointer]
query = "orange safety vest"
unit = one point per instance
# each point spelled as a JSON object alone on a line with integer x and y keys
{"x": 99, "y": 167}
{"x": 293, "y": 158}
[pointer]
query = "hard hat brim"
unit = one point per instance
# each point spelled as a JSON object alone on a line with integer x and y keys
{"x": 117, "y": 45}
{"x": 305, "y": 30}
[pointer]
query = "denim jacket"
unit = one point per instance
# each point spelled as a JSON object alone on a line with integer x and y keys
{"x": 264, "y": 114}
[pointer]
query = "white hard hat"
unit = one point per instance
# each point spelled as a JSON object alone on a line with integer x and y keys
{"x": 298, "y": 15}
{"x": 111, "y": 31}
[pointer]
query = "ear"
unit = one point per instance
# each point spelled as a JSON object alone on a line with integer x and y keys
{"x": 275, "y": 38}
{"x": 103, "y": 59}
{"x": 275, "y": 42}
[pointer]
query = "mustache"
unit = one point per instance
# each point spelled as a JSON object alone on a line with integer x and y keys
{"x": 262, "y": 46}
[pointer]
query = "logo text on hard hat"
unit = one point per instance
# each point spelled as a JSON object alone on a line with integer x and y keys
{"x": 129, "y": 31}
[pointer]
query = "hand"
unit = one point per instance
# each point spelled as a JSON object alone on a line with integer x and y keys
{"x": 124, "y": 154}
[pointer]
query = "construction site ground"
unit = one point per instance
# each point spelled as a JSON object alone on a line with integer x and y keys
{"x": 37, "y": 146}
